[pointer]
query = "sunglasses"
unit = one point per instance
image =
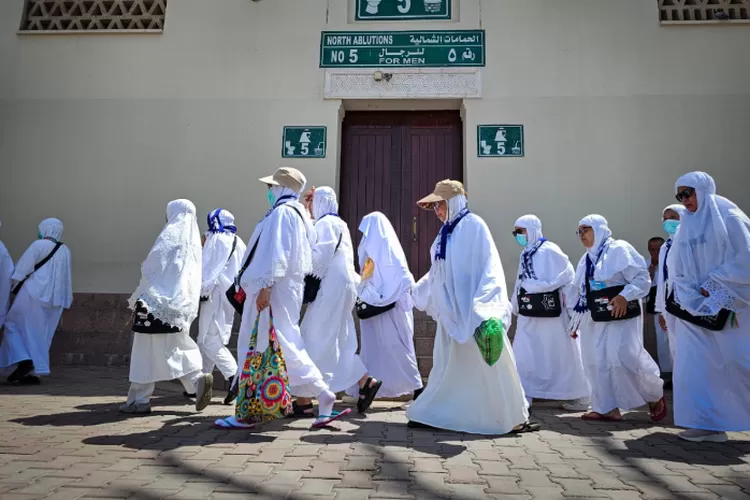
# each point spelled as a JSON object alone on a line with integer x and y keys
{"x": 685, "y": 194}
{"x": 516, "y": 232}
{"x": 582, "y": 230}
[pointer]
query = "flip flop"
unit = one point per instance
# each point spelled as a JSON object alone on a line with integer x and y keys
{"x": 656, "y": 417}
{"x": 598, "y": 417}
{"x": 526, "y": 427}
{"x": 230, "y": 423}
{"x": 327, "y": 419}
{"x": 369, "y": 392}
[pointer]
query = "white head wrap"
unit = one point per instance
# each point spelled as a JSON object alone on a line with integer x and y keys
{"x": 324, "y": 202}
{"x": 218, "y": 246}
{"x": 533, "y": 227}
{"x": 677, "y": 208}
{"x": 171, "y": 274}
{"x": 705, "y": 254}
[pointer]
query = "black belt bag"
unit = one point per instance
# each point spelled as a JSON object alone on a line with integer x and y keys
{"x": 714, "y": 323}
{"x": 367, "y": 311}
{"x": 598, "y": 302}
{"x": 539, "y": 305}
{"x": 312, "y": 284}
{"x": 651, "y": 301}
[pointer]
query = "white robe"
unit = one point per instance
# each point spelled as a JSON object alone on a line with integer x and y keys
{"x": 664, "y": 339}
{"x": 620, "y": 371}
{"x": 281, "y": 261}
{"x": 328, "y": 326}
{"x": 464, "y": 393}
{"x": 35, "y": 313}
{"x": 712, "y": 369}
{"x": 548, "y": 358}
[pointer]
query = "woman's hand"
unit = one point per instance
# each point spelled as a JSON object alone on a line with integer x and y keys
{"x": 619, "y": 306}
{"x": 704, "y": 292}
{"x": 264, "y": 299}
{"x": 662, "y": 323}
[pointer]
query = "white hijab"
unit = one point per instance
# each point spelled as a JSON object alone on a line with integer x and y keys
{"x": 171, "y": 274}
{"x": 533, "y": 227}
{"x": 220, "y": 238}
{"x": 391, "y": 277}
{"x": 707, "y": 255}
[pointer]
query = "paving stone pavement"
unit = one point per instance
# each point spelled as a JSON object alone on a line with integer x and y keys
{"x": 65, "y": 440}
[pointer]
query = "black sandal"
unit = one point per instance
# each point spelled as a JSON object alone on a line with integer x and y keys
{"x": 301, "y": 411}
{"x": 526, "y": 427}
{"x": 30, "y": 380}
{"x": 231, "y": 393}
{"x": 23, "y": 369}
{"x": 369, "y": 392}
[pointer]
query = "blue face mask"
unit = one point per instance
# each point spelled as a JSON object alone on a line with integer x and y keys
{"x": 670, "y": 226}
{"x": 271, "y": 197}
{"x": 39, "y": 235}
{"x": 522, "y": 240}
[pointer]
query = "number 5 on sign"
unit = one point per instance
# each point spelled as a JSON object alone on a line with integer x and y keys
{"x": 337, "y": 56}
{"x": 404, "y": 6}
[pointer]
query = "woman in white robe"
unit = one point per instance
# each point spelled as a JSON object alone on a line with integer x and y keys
{"x": 671, "y": 216}
{"x": 33, "y": 318}
{"x": 165, "y": 305}
{"x": 274, "y": 284}
{"x": 222, "y": 259}
{"x": 328, "y": 325}
{"x": 464, "y": 291}
{"x": 622, "y": 375}
{"x": 548, "y": 358}
{"x": 6, "y": 280}
{"x": 387, "y": 340}
{"x": 709, "y": 271}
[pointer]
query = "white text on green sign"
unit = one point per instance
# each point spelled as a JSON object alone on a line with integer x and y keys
{"x": 500, "y": 141}
{"x": 402, "y": 10}
{"x": 425, "y": 49}
{"x": 304, "y": 142}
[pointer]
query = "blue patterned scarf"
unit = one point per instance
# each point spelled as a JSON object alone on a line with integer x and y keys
{"x": 527, "y": 264}
{"x": 446, "y": 231}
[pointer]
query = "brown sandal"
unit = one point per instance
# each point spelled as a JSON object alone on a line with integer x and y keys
{"x": 657, "y": 416}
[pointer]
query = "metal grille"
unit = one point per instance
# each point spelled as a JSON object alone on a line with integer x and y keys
{"x": 704, "y": 11}
{"x": 93, "y": 15}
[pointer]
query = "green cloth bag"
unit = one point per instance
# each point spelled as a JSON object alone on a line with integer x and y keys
{"x": 489, "y": 338}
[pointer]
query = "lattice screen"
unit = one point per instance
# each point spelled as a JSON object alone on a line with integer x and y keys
{"x": 702, "y": 11}
{"x": 94, "y": 15}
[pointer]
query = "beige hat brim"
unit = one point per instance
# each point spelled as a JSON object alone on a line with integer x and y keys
{"x": 429, "y": 199}
{"x": 269, "y": 180}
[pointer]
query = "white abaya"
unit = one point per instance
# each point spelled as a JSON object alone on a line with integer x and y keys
{"x": 281, "y": 262}
{"x": 712, "y": 369}
{"x": 620, "y": 371}
{"x": 548, "y": 358}
{"x": 387, "y": 340}
{"x": 464, "y": 393}
{"x": 33, "y": 318}
{"x": 328, "y": 326}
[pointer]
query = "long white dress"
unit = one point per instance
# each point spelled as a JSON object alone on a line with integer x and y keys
{"x": 6, "y": 275}
{"x": 464, "y": 393}
{"x": 328, "y": 326}
{"x": 620, "y": 371}
{"x": 712, "y": 369}
{"x": 665, "y": 346}
{"x": 548, "y": 358}
{"x": 33, "y": 318}
{"x": 282, "y": 259}
{"x": 387, "y": 340}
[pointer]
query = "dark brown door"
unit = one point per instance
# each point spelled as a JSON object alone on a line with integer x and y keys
{"x": 392, "y": 159}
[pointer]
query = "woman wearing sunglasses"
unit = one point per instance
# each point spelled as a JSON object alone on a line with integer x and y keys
{"x": 611, "y": 279}
{"x": 709, "y": 284}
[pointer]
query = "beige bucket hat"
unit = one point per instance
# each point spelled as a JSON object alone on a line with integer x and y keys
{"x": 444, "y": 191}
{"x": 286, "y": 176}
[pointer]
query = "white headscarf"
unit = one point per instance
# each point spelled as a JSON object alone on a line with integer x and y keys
{"x": 391, "y": 277}
{"x": 533, "y": 227}
{"x": 706, "y": 254}
{"x": 677, "y": 208}
{"x": 220, "y": 238}
{"x": 171, "y": 274}
{"x": 324, "y": 203}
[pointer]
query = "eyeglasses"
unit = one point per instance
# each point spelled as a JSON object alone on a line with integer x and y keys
{"x": 582, "y": 230}
{"x": 685, "y": 194}
{"x": 516, "y": 232}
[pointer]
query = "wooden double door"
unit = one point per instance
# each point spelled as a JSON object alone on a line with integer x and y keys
{"x": 389, "y": 161}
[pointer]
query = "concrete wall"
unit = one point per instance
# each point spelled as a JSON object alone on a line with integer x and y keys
{"x": 103, "y": 130}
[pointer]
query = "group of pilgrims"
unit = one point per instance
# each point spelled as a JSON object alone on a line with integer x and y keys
{"x": 579, "y": 330}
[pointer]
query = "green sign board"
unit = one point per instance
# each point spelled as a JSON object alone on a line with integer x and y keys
{"x": 402, "y": 10}
{"x": 500, "y": 141}
{"x": 402, "y": 49}
{"x": 304, "y": 142}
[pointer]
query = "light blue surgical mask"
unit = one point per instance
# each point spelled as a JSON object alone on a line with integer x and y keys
{"x": 271, "y": 197}
{"x": 39, "y": 235}
{"x": 522, "y": 240}
{"x": 670, "y": 226}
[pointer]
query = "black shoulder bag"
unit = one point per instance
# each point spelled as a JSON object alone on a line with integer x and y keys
{"x": 539, "y": 305}
{"x": 714, "y": 323}
{"x": 598, "y": 302}
{"x": 235, "y": 294}
{"x": 234, "y": 245}
{"x": 37, "y": 266}
{"x": 651, "y": 301}
{"x": 312, "y": 284}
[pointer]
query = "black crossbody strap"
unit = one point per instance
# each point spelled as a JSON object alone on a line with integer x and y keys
{"x": 248, "y": 260}
{"x": 37, "y": 266}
